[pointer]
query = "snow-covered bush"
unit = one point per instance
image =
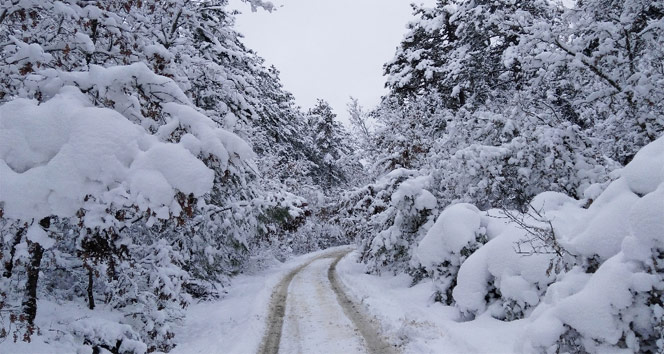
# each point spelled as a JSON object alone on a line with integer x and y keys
{"x": 619, "y": 306}
{"x": 403, "y": 221}
{"x": 459, "y": 231}
{"x": 498, "y": 160}
{"x": 100, "y": 333}
{"x": 499, "y": 279}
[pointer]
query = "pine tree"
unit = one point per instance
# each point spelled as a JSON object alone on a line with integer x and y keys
{"x": 331, "y": 148}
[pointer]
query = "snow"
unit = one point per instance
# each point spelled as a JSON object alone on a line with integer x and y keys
{"x": 646, "y": 171}
{"x": 315, "y": 321}
{"x": 38, "y": 235}
{"x": 175, "y": 168}
{"x": 86, "y": 150}
{"x": 55, "y": 154}
{"x": 84, "y": 41}
{"x": 473, "y": 279}
{"x": 25, "y": 52}
{"x": 604, "y": 307}
{"x": 236, "y": 323}
{"x": 415, "y": 324}
{"x": 65, "y": 325}
{"x": 425, "y": 200}
{"x": 646, "y": 219}
{"x": 109, "y": 332}
{"x": 415, "y": 188}
{"x": 456, "y": 227}
{"x": 591, "y": 310}
{"x": 517, "y": 277}
{"x": 551, "y": 201}
{"x": 218, "y": 142}
{"x": 88, "y": 147}
{"x": 605, "y": 226}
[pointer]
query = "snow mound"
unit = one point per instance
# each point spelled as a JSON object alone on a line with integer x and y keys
{"x": 498, "y": 275}
{"x": 646, "y": 171}
{"x": 456, "y": 228}
{"x": 108, "y": 333}
{"x": 606, "y": 223}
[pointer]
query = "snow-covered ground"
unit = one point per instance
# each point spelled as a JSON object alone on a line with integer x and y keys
{"x": 236, "y": 323}
{"x": 417, "y": 325}
{"x": 57, "y": 321}
{"x": 315, "y": 322}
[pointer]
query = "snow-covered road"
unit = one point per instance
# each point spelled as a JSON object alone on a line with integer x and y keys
{"x": 314, "y": 318}
{"x": 324, "y": 302}
{"x": 310, "y": 313}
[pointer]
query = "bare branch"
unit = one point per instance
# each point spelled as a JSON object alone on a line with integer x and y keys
{"x": 593, "y": 68}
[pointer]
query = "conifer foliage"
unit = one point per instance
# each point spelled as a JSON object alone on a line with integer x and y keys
{"x": 146, "y": 155}
{"x": 332, "y": 147}
{"x": 505, "y": 159}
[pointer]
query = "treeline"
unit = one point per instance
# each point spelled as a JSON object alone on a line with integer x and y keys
{"x": 147, "y": 156}
{"x": 491, "y": 104}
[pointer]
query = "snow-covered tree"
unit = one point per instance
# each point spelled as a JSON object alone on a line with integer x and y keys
{"x": 388, "y": 217}
{"x": 598, "y": 60}
{"x": 331, "y": 147}
{"x": 175, "y": 203}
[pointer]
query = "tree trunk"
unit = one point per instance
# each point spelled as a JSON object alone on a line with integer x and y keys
{"x": 30, "y": 299}
{"x": 36, "y": 252}
{"x": 9, "y": 264}
{"x": 91, "y": 297}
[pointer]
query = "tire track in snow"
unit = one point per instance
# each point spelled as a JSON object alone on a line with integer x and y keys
{"x": 368, "y": 329}
{"x": 275, "y": 319}
{"x": 277, "y": 310}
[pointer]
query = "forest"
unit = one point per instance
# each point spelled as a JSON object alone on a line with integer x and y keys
{"x": 148, "y": 157}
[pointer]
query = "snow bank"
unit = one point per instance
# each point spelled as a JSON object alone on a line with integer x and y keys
{"x": 605, "y": 225}
{"x": 646, "y": 171}
{"x": 416, "y": 326}
{"x": 458, "y": 232}
{"x": 497, "y": 275}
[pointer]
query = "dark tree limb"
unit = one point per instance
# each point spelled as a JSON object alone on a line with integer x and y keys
{"x": 593, "y": 68}
{"x": 91, "y": 296}
{"x": 30, "y": 300}
{"x": 36, "y": 252}
{"x": 9, "y": 264}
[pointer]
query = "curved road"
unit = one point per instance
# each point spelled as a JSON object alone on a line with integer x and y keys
{"x": 310, "y": 313}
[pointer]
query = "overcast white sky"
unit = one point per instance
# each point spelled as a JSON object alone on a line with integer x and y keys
{"x": 329, "y": 49}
